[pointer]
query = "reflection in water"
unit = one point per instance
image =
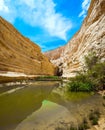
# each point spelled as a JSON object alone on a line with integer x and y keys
{"x": 37, "y": 105}
{"x": 56, "y": 110}
{"x": 44, "y": 118}
{"x": 16, "y": 106}
{"x": 79, "y": 104}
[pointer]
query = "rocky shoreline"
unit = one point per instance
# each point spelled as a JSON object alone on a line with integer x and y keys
{"x": 101, "y": 122}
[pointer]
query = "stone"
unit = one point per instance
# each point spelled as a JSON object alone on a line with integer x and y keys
{"x": 90, "y": 37}
{"x": 19, "y": 54}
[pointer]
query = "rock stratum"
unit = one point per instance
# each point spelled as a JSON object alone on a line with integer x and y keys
{"x": 90, "y": 37}
{"x": 18, "y": 54}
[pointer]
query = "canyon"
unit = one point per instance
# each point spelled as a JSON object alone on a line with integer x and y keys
{"x": 19, "y": 56}
{"x": 31, "y": 104}
{"x": 90, "y": 38}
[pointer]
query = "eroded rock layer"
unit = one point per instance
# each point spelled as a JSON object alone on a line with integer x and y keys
{"x": 19, "y": 54}
{"x": 91, "y": 37}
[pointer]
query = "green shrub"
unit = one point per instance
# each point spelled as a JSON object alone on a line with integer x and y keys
{"x": 48, "y": 77}
{"x": 92, "y": 79}
{"x": 94, "y": 117}
{"x": 85, "y": 87}
{"x": 84, "y": 125}
{"x": 80, "y": 83}
{"x": 91, "y": 60}
{"x": 99, "y": 78}
{"x": 77, "y": 86}
{"x": 95, "y": 121}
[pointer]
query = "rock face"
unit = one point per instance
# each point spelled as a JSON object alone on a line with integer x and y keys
{"x": 19, "y": 54}
{"x": 54, "y": 54}
{"x": 91, "y": 37}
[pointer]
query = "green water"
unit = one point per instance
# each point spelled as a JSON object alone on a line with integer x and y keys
{"x": 16, "y": 106}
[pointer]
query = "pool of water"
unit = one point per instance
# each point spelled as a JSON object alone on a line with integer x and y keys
{"x": 38, "y": 106}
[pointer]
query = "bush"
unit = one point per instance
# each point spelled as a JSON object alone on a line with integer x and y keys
{"x": 84, "y": 125}
{"x": 91, "y": 80}
{"x": 48, "y": 78}
{"x": 80, "y": 86}
{"x": 80, "y": 83}
{"x": 91, "y": 60}
{"x": 94, "y": 117}
{"x": 98, "y": 75}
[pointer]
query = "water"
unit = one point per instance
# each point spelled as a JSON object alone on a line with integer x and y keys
{"x": 42, "y": 106}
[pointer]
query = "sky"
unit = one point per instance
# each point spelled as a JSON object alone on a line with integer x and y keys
{"x": 48, "y": 23}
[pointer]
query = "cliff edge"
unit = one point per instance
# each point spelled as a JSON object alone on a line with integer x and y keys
{"x": 19, "y": 55}
{"x": 90, "y": 37}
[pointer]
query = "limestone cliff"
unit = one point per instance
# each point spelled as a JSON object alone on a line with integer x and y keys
{"x": 19, "y": 54}
{"x": 54, "y": 54}
{"x": 91, "y": 37}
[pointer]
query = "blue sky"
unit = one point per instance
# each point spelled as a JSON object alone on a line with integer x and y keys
{"x": 49, "y": 23}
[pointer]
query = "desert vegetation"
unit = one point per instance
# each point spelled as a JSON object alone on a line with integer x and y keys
{"x": 48, "y": 78}
{"x": 91, "y": 78}
{"x": 91, "y": 120}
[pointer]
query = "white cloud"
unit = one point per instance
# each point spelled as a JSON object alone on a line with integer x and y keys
{"x": 3, "y": 6}
{"x": 85, "y": 6}
{"x": 57, "y": 25}
{"x": 40, "y": 13}
{"x": 7, "y": 10}
{"x": 29, "y": 3}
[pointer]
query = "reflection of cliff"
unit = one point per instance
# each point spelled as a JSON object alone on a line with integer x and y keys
{"x": 75, "y": 100}
{"x": 78, "y": 105}
{"x": 16, "y": 106}
{"x": 56, "y": 98}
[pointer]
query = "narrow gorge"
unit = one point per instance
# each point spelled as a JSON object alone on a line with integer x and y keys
{"x": 52, "y": 90}
{"x": 90, "y": 38}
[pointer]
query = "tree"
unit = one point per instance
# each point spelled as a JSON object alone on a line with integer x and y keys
{"x": 91, "y": 60}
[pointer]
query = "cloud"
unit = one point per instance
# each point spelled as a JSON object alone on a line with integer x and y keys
{"x": 3, "y": 7}
{"x": 85, "y": 6}
{"x": 7, "y": 10}
{"x": 29, "y": 3}
{"x": 37, "y": 13}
